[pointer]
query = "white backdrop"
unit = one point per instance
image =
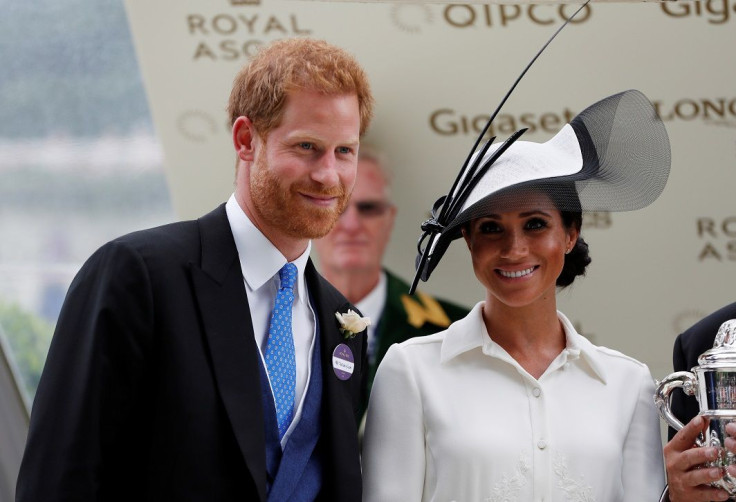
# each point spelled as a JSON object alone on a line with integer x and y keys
{"x": 437, "y": 71}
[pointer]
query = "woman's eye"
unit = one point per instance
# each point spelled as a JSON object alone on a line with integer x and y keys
{"x": 489, "y": 227}
{"x": 536, "y": 223}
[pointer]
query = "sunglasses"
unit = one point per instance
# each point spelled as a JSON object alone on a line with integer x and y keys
{"x": 371, "y": 208}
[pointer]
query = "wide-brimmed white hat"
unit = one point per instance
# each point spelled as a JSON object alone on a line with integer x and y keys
{"x": 613, "y": 156}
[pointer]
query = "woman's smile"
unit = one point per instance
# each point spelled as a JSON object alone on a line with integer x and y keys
{"x": 515, "y": 274}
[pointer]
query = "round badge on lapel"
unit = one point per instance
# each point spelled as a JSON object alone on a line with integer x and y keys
{"x": 343, "y": 362}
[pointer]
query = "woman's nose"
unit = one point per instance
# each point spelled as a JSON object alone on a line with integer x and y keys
{"x": 514, "y": 245}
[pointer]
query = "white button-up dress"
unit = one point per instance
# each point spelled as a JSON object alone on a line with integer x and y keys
{"x": 453, "y": 417}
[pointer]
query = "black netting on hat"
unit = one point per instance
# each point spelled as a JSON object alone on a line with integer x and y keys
{"x": 617, "y": 160}
{"x": 630, "y": 143}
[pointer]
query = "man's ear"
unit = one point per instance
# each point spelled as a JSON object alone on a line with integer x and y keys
{"x": 244, "y": 134}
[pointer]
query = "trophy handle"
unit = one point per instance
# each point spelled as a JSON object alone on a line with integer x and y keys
{"x": 682, "y": 379}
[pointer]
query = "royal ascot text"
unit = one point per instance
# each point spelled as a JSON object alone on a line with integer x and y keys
{"x": 720, "y": 238}
{"x": 232, "y": 37}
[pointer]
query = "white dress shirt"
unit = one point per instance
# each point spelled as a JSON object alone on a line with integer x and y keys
{"x": 453, "y": 417}
{"x": 260, "y": 263}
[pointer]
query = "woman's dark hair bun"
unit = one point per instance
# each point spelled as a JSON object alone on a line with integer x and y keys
{"x": 576, "y": 262}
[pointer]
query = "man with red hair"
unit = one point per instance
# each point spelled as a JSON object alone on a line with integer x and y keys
{"x": 194, "y": 361}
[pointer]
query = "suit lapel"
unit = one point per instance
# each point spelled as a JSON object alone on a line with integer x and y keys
{"x": 223, "y": 304}
{"x": 326, "y": 304}
{"x": 342, "y": 478}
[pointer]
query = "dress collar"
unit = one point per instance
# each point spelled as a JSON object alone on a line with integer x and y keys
{"x": 470, "y": 332}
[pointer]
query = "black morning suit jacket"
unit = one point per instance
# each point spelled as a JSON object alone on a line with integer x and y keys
{"x": 689, "y": 345}
{"x": 151, "y": 387}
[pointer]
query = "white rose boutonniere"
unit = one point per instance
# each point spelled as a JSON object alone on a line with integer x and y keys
{"x": 351, "y": 323}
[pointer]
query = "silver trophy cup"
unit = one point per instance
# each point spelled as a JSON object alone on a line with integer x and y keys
{"x": 713, "y": 383}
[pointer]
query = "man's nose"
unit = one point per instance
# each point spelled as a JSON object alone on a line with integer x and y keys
{"x": 326, "y": 170}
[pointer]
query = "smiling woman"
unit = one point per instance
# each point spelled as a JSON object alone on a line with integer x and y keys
{"x": 511, "y": 403}
{"x": 521, "y": 252}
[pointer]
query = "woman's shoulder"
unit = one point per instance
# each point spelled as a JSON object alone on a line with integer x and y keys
{"x": 615, "y": 366}
{"x": 618, "y": 357}
{"x": 604, "y": 354}
{"x": 459, "y": 328}
{"x": 429, "y": 349}
{"x": 420, "y": 345}
{"x": 462, "y": 335}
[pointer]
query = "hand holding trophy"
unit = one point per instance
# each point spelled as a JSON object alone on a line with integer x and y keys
{"x": 713, "y": 383}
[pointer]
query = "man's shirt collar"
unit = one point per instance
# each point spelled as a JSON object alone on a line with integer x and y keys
{"x": 260, "y": 260}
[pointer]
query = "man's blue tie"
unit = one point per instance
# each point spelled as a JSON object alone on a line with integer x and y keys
{"x": 280, "y": 359}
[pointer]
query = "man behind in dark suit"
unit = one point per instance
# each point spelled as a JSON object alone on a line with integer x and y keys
{"x": 157, "y": 384}
{"x": 686, "y": 479}
{"x": 351, "y": 258}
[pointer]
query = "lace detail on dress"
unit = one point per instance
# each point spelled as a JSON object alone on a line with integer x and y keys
{"x": 508, "y": 488}
{"x": 575, "y": 490}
